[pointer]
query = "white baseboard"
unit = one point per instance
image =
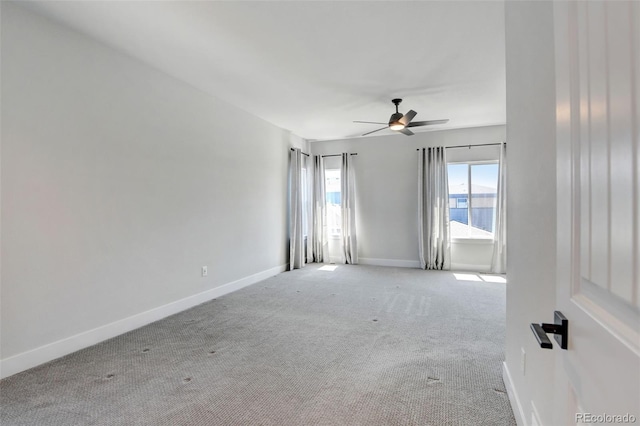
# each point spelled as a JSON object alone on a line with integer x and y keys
{"x": 513, "y": 396}
{"x": 32, "y": 358}
{"x": 390, "y": 262}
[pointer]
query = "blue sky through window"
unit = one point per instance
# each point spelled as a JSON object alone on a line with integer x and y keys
{"x": 458, "y": 178}
{"x": 482, "y": 175}
{"x": 485, "y": 175}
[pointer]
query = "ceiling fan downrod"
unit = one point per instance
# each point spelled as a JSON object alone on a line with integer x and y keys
{"x": 396, "y": 102}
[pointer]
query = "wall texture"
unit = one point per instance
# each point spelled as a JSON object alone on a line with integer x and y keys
{"x": 118, "y": 184}
{"x": 531, "y": 233}
{"x": 386, "y": 170}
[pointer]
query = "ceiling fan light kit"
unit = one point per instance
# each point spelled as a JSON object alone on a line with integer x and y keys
{"x": 400, "y": 122}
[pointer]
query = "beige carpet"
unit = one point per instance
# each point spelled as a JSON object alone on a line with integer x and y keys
{"x": 360, "y": 345}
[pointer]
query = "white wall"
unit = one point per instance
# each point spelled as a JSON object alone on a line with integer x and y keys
{"x": 386, "y": 169}
{"x": 118, "y": 184}
{"x": 471, "y": 254}
{"x": 531, "y": 233}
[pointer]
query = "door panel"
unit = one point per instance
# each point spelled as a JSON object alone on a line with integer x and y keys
{"x": 597, "y": 78}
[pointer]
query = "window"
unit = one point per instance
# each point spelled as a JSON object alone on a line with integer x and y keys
{"x": 306, "y": 201}
{"x": 332, "y": 189}
{"x": 472, "y": 199}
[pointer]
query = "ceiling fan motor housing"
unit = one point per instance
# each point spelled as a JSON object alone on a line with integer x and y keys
{"x": 395, "y": 117}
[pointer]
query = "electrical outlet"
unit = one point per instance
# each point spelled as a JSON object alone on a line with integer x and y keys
{"x": 204, "y": 271}
{"x": 523, "y": 361}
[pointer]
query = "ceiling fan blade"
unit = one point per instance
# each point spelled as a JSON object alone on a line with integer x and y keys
{"x": 382, "y": 128}
{"x": 427, "y": 123}
{"x": 406, "y": 119}
{"x": 407, "y": 132}
{"x": 369, "y": 122}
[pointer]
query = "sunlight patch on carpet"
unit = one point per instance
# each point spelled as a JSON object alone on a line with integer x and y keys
{"x": 467, "y": 277}
{"x": 328, "y": 268}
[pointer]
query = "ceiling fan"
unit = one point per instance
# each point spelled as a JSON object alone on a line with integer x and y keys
{"x": 401, "y": 123}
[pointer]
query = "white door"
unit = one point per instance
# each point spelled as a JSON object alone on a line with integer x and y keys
{"x": 598, "y": 116}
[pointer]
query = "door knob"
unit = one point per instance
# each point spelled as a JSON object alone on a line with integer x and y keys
{"x": 560, "y": 329}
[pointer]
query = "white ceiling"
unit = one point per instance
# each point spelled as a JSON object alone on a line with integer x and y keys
{"x": 314, "y": 67}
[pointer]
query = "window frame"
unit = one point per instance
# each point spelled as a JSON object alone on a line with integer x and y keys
{"x": 469, "y": 202}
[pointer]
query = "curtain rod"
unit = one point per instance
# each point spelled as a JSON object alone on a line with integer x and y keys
{"x": 303, "y": 153}
{"x": 471, "y": 146}
{"x": 338, "y": 155}
{"x": 332, "y": 155}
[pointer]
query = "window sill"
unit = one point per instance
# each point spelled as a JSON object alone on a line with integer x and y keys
{"x": 472, "y": 240}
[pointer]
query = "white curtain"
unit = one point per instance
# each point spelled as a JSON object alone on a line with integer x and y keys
{"x": 349, "y": 245}
{"x": 319, "y": 242}
{"x": 433, "y": 209}
{"x": 499, "y": 261}
{"x": 296, "y": 236}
